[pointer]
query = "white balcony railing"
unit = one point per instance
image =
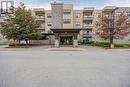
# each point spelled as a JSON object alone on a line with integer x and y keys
{"x": 88, "y": 26}
{"x": 88, "y": 17}
{"x": 40, "y": 18}
{"x": 87, "y": 35}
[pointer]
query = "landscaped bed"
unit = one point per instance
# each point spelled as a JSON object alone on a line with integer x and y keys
{"x": 18, "y": 46}
{"x": 107, "y": 44}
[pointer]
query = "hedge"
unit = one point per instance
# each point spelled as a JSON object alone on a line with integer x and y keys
{"x": 122, "y": 45}
{"x": 107, "y": 44}
{"x": 102, "y": 44}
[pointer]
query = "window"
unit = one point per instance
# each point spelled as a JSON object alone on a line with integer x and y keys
{"x": 119, "y": 14}
{"x": 49, "y": 24}
{"x": 77, "y": 24}
{"x": 77, "y": 15}
{"x": 67, "y": 21}
{"x": 67, "y": 11}
{"x": 39, "y": 17}
{"x": 3, "y": 15}
{"x": 87, "y": 32}
{"x": 128, "y": 13}
{"x": 49, "y": 15}
{"x": 6, "y": 7}
{"x": 9, "y": 7}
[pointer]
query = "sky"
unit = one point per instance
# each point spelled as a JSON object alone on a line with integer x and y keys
{"x": 78, "y": 4}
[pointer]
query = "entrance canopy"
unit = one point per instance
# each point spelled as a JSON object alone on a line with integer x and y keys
{"x": 66, "y": 36}
{"x": 62, "y": 30}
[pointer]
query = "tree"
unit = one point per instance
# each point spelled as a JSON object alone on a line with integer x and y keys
{"x": 115, "y": 26}
{"x": 19, "y": 26}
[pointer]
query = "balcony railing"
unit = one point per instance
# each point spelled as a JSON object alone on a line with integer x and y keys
{"x": 7, "y": 11}
{"x": 87, "y": 35}
{"x": 88, "y": 17}
{"x": 40, "y": 18}
{"x": 88, "y": 26}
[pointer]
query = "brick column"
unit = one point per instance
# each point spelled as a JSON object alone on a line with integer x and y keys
{"x": 57, "y": 40}
{"x": 75, "y": 41}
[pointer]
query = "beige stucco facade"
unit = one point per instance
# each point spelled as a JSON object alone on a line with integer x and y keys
{"x": 78, "y": 20}
{"x": 48, "y": 22}
{"x": 68, "y": 16}
{"x": 82, "y": 19}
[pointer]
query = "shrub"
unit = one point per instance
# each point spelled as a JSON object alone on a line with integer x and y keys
{"x": 119, "y": 45}
{"x": 90, "y": 42}
{"x": 107, "y": 44}
{"x": 80, "y": 42}
{"x": 17, "y": 45}
{"x": 85, "y": 42}
{"x": 102, "y": 44}
{"x": 122, "y": 45}
{"x": 12, "y": 44}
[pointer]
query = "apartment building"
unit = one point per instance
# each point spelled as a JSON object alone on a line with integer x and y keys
{"x": 6, "y": 7}
{"x": 88, "y": 17}
{"x": 39, "y": 15}
{"x": 70, "y": 25}
{"x": 65, "y": 25}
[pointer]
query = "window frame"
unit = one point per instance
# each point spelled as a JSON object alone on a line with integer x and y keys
{"x": 49, "y": 15}
{"x": 49, "y": 24}
{"x": 77, "y": 15}
{"x": 67, "y": 21}
{"x": 66, "y": 11}
{"x": 78, "y": 24}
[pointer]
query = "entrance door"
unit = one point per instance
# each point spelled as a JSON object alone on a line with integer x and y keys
{"x": 66, "y": 40}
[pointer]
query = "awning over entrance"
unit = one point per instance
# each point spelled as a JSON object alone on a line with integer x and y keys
{"x": 66, "y": 36}
{"x": 63, "y": 30}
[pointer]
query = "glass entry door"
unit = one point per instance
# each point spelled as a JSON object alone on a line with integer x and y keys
{"x": 66, "y": 40}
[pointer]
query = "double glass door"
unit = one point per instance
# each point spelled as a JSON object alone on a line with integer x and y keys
{"x": 66, "y": 40}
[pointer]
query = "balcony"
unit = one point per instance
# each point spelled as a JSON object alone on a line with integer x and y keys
{"x": 7, "y": 11}
{"x": 88, "y": 26}
{"x": 88, "y": 9}
{"x": 87, "y": 35}
{"x": 39, "y": 10}
{"x": 88, "y": 17}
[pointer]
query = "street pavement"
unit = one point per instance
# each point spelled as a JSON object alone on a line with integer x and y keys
{"x": 45, "y": 67}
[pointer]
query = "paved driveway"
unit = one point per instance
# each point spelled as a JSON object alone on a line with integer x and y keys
{"x": 39, "y": 67}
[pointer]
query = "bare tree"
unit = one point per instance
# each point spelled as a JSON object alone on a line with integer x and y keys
{"x": 115, "y": 25}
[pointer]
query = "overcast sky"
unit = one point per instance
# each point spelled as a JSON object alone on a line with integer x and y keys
{"x": 78, "y": 4}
